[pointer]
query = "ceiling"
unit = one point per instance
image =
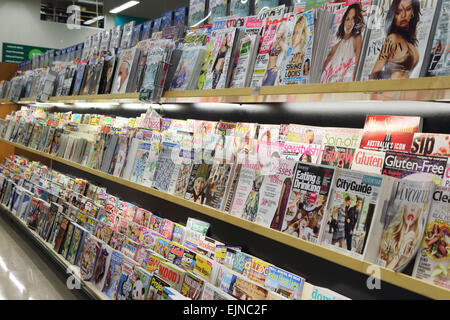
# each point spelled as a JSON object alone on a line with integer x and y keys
{"x": 146, "y": 8}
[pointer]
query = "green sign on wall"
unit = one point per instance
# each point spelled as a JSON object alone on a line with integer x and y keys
{"x": 16, "y": 53}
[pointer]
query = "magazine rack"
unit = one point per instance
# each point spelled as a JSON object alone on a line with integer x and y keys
{"x": 318, "y": 265}
{"x": 87, "y": 290}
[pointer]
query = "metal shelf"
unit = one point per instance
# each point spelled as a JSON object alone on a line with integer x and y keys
{"x": 418, "y": 89}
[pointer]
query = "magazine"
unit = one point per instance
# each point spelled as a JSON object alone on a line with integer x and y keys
{"x": 395, "y": 50}
{"x": 432, "y": 260}
{"x": 414, "y": 167}
{"x": 217, "y": 9}
{"x": 125, "y": 70}
{"x": 113, "y": 275}
{"x": 440, "y": 58}
{"x": 368, "y": 161}
{"x": 196, "y": 12}
{"x": 295, "y": 68}
{"x": 285, "y": 283}
{"x": 275, "y": 190}
{"x": 356, "y": 199}
{"x": 123, "y": 287}
{"x": 239, "y": 287}
{"x": 382, "y": 133}
{"x": 246, "y": 200}
{"x": 192, "y": 286}
{"x": 431, "y": 144}
{"x": 272, "y": 50}
{"x": 397, "y": 234}
{"x": 305, "y": 213}
{"x": 88, "y": 258}
{"x": 346, "y": 41}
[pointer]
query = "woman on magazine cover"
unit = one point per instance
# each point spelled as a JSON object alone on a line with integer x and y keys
{"x": 340, "y": 65}
{"x": 220, "y": 62}
{"x": 298, "y": 42}
{"x": 276, "y": 51}
{"x": 198, "y": 188}
{"x": 399, "y": 241}
{"x": 399, "y": 54}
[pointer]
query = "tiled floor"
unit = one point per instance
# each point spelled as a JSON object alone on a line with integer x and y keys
{"x": 24, "y": 273}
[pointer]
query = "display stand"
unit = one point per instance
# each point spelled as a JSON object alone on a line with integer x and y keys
{"x": 290, "y": 104}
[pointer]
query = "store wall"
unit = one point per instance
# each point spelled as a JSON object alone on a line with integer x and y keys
{"x": 20, "y": 23}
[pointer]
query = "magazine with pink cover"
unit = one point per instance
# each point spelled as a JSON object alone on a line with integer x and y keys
{"x": 142, "y": 217}
{"x": 274, "y": 193}
{"x": 271, "y": 52}
{"x": 344, "y": 47}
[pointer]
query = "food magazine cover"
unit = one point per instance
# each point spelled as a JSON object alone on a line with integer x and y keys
{"x": 305, "y": 213}
{"x": 414, "y": 167}
{"x": 432, "y": 260}
{"x": 368, "y": 161}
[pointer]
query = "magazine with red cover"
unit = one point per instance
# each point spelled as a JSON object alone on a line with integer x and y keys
{"x": 384, "y": 132}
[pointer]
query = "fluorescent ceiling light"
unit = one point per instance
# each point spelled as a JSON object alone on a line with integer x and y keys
{"x": 94, "y": 20}
{"x": 125, "y": 6}
{"x": 91, "y": 2}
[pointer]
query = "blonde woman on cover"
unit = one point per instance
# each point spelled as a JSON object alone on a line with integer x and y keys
{"x": 398, "y": 242}
{"x": 276, "y": 54}
{"x": 298, "y": 42}
{"x": 340, "y": 65}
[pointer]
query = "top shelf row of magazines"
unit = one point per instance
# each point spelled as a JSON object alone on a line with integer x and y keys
{"x": 418, "y": 89}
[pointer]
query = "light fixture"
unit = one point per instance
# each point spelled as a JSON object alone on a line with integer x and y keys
{"x": 91, "y": 21}
{"x": 125, "y": 6}
{"x": 95, "y": 3}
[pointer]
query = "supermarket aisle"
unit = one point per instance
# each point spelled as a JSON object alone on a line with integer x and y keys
{"x": 23, "y": 273}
